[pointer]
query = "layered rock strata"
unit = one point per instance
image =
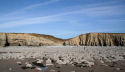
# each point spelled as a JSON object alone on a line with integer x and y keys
{"x": 89, "y": 39}
{"x": 98, "y": 39}
{"x": 23, "y": 39}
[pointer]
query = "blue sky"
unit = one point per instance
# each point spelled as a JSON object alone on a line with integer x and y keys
{"x": 62, "y": 18}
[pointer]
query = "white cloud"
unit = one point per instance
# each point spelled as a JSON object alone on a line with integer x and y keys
{"x": 40, "y": 4}
{"x": 93, "y": 10}
{"x": 37, "y": 20}
{"x": 31, "y": 7}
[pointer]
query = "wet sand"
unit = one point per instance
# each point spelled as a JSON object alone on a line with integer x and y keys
{"x": 5, "y": 65}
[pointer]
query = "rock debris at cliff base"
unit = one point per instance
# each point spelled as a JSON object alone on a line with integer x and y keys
{"x": 67, "y": 53}
{"x": 59, "y": 58}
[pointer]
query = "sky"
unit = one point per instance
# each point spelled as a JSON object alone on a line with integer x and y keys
{"x": 62, "y": 18}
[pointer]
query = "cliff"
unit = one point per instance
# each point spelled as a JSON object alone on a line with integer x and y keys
{"x": 28, "y": 39}
{"x": 98, "y": 39}
{"x": 89, "y": 39}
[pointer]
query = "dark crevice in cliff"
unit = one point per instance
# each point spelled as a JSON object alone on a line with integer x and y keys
{"x": 99, "y": 41}
{"x": 87, "y": 35}
{"x": 6, "y": 40}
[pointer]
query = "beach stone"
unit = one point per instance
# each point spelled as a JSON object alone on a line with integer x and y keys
{"x": 87, "y": 63}
{"x": 10, "y": 69}
{"x": 39, "y": 61}
{"x": 48, "y": 62}
{"x": 52, "y": 70}
{"x": 101, "y": 61}
{"x": 19, "y": 63}
{"x": 90, "y": 64}
{"x": 83, "y": 64}
{"x": 28, "y": 65}
{"x": 61, "y": 62}
{"x": 39, "y": 69}
{"x": 118, "y": 69}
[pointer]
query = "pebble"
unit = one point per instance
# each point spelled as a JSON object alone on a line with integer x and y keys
{"x": 48, "y": 62}
{"x": 118, "y": 69}
{"x": 52, "y": 70}
{"x": 10, "y": 69}
{"x": 19, "y": 63}
{"x": 39, "y": 69}
{"x": 29, "y": 65}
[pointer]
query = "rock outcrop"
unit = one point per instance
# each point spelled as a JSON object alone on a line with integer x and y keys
{"x": 28, "y": 39}
{"x": 89, "y": 39}
{"x": 98, "y": 39}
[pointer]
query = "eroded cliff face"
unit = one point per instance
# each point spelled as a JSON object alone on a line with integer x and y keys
{"x": 89, "y": 39}
{"x": 23, "y": 39}
{"x": 98, "y": 39}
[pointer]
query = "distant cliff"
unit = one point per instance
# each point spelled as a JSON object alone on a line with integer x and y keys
{"x": 28, "y": 39}
{"x": 89, "y": 39}
{"x": 98, "y": 39}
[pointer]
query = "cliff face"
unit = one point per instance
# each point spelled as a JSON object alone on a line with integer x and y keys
{"x": 89, "y": 39}
{"x": 23, "y": 39}
{"x": 98, "y": 39}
